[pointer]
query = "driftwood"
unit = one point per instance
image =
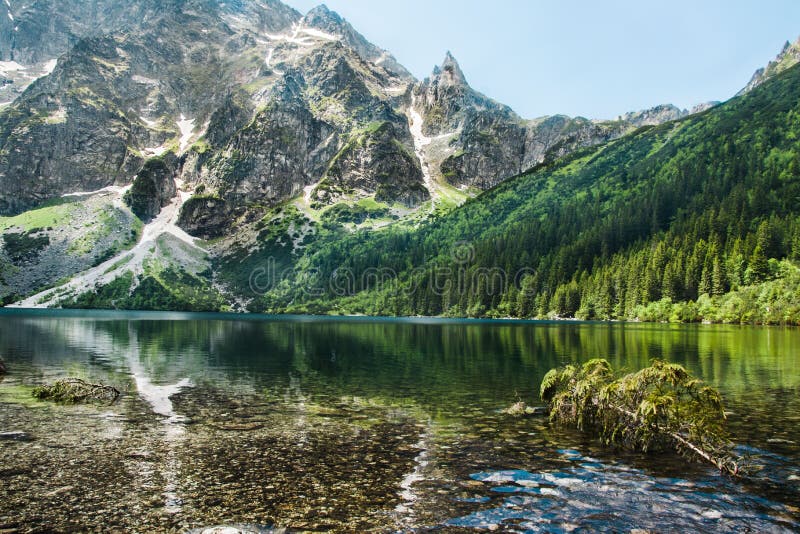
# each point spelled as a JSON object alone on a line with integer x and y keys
{"x": 75, "y": 391}
{"x": 661, "y": 407}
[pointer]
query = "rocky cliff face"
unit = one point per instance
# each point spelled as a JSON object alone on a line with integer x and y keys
{"x": 314, "y": 97}
{"x": 375, "y": 162}
{"x": 113, "y": 101}
{"x": 489, "y": 142}
{"x": 654, "y": 116}
{"x": 153, "y": 187}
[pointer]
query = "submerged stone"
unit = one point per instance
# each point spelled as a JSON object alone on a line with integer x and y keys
{"x": 75, "y": 390}
{"x": 15, "y": 436}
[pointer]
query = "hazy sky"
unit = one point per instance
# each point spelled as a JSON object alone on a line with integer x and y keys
{"x": 595, "y": 58}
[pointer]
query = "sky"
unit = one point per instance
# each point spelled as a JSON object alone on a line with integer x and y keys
{"x": 592, "y": 58}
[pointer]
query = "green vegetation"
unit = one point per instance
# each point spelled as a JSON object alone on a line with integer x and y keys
{"x": 49, "y": 215}
{"x": 356, "y": 213}
{"x": 689, "y": 221}
{"x": 659, "y": 408}
{"x": 170, "y": 289}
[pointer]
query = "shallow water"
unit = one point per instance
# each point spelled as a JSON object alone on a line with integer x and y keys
{"x": 387, "y": 425}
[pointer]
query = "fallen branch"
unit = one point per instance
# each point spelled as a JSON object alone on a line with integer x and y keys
{"x": 658, "y": 408}
{"x": 76, "y": 391}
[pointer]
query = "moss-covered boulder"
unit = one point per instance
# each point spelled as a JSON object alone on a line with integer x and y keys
{"x": 76, "y": 391}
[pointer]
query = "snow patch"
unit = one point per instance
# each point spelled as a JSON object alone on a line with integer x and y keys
{"x": 420, "y": 142}
{"x": 10, "y": 66}
{"x": 396, "y": 89}
{"x": 109, "y": 189}
{"x": 186, "y": 126}
{"x": 268, "y": 62}
{"x": 50, "y": 66}
{"x": 313, "y": 32}
{"x": 307, "y": 39}
{"x": 148, "y": 122}
{"x": 144, "y": 80}
{"x": 154, "y": 151}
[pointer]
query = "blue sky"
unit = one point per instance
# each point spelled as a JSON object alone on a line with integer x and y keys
{"x": 592, "y": 58}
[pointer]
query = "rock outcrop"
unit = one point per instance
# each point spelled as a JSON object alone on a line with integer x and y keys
{"x": 153, "y": 188}
{"x": 375, "y": 162}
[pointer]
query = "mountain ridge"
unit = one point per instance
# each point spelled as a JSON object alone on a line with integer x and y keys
{"x": 205, "y": 117}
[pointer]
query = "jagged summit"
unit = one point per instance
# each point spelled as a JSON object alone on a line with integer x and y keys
{"x": 322, "y": 11}
{"x": 655, "y": 115}
{"x": 331, "y": 23}
{"x": 449, "y": 73}
{"x": 789, "y": 56}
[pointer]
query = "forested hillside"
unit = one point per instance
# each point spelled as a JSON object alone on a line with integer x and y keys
{"x": 697, "y": 219}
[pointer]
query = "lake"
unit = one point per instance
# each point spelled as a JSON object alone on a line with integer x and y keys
{"x": 352, "y": 424}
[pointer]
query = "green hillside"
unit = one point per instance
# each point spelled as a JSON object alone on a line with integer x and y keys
{"x": 694, "y": 219}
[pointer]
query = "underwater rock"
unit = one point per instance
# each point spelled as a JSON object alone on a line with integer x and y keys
{"x": 520, "y": 409}
{"x": 15, "y": 436}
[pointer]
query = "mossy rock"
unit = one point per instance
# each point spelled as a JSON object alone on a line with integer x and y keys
{"x": 76, "y": 391}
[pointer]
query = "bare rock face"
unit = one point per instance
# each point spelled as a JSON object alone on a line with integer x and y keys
{"x": 491, "y": 143}
{"x": 154, "y": 187}
{"x": 306, "y": 119}
{"x": 654, "y": 116}
{"x": 375, "y": 162}
{"x": 206, "y": 216}
{"x": 274, "y": 156}
{"x": 113, "y": 101}
{"x": 324, "y": 19}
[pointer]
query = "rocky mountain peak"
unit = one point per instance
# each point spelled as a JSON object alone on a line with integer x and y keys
{"x": 654, "y": 116}
{"x": 323, "y": 13}
{"x": 449, "y": 73}
{"x": 334, "y": 27}
{"x": 788, "y": 57}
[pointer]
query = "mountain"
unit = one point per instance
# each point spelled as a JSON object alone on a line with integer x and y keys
{"x": 690, "y": 220}
{"x": 157, "y": 150}
{"x": 787, "y": 58}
